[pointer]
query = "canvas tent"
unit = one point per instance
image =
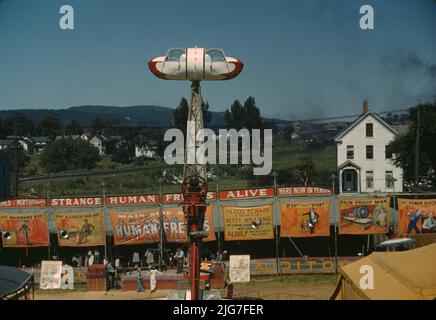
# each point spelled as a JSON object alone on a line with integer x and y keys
{"x": 14, "y": 283}
{"x": 404, "y": 275}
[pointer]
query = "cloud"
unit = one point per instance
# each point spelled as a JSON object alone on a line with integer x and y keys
{"x": 410, "y": 63}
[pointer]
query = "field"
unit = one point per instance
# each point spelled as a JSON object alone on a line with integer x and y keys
{"x": 296, "y": 287}
{"x": 139, "y": 178}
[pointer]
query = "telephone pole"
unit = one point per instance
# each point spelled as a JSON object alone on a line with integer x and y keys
{"x": 417, "y": 149}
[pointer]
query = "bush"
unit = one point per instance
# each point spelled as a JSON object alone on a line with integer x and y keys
{"x": 69, "y": 154}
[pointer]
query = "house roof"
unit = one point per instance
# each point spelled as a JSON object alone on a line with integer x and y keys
{"x": 40, "y": 139}
{"x": 6, "y": 141}
{"x": 362, "y": 117}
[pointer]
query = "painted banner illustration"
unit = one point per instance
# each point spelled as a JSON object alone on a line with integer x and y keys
{"x": 83, "y": 229}
{"x": 248, "y": 223}
{"x": 305, "y": 219}
{"x": 24, "y": 230}
{"x": 363, "y": 216}
{"x": 138, "y": 227}
{"x": 416, "y": 216}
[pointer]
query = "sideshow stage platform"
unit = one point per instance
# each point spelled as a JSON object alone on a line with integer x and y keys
{"x": 171, "y": 280}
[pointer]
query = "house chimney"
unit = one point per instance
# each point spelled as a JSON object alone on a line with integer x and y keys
{"x": 365, "y": 106}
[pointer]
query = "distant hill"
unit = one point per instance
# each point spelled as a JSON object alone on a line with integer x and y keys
{"x": 145, "y": 115}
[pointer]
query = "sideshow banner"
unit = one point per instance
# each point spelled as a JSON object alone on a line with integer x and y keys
{"x": 305, "y": 219}
{"x": 239, "y": 270}
{"x": 51, "y": 273}
{"x": 24, "y": 230}
{"x": 363, "y": 216}
{"x": 416, "y": 216}
{"x": 139, "y": 227}
{"x": 248, "y": 223}
{"x": 80, "y": 229}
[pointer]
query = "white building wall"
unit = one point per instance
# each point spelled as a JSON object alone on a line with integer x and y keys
{"x": 379, "y": 164}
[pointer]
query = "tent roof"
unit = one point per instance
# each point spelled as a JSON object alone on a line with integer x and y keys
{"x": 397, "y": 275}
{"x": 12, "y": 279}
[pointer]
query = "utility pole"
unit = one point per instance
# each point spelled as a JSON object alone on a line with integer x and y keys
{"x": 276, "y": 226}
{"x": 161, "y": 224}
{"x": 417, "y": 149}
{"x": 16, "y": 167}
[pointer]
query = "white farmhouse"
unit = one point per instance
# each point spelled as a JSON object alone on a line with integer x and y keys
{"x": 364, "y": 162}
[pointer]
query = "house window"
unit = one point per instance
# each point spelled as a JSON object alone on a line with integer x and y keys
{"x": 369, "y": 130}
{"x": 369, "y": 152}
{"x": 389, "y": 177}
{"x": 350, "y": 152}
{"x": 388, "y": 152}
{"x": 370, "y": 179}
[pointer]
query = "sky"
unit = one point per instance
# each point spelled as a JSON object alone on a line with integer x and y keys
{"x": 303, "y": 59}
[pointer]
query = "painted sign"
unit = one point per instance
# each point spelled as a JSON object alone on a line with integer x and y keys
{"x": 363, "y": 216}
{"x": 132, "y": 200}
{"x": 169, "y": 198}
{"x": 416, "y": 216}
{"x": 23, "y": 203}
{"x": 302, "y": 191}
{"x": 24, "y": 230}
{"x": 248, "y": 223}
{"x": 139, "y": 227}
{"x": 51, "y": 272}
{"x": 305, "y": 219}
{"x": 77, "y": 202}
{"x": 83, "y": 229}
{"x": 239, "y": 269}
{"x": 247, "y": 194}
{"x": 297, "y": 265}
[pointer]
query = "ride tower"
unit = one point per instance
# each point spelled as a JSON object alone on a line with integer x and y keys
{"x": 195, "y": 64}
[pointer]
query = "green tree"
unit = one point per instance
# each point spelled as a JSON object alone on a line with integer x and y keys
{"x": 243, "y": 116}
{"x": 123, "y": 153}
{"x": 68, "y": 154}
{"x": 97, "y": 126}
{"x": 49, "y": 127}
{"x": 404, "y": 146}
{"x": 305, "y": 171}
{"x": 234, "y": 117}
{"x": 18, "y": 124}
{"x": 73, "y": 128}
{"x": 180, "y": 115}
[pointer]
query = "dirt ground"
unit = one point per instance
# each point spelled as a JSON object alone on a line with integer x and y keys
{"x": 301, "y": 287}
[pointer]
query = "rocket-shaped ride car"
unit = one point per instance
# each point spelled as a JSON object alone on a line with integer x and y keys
{"x": 195, "y": 64}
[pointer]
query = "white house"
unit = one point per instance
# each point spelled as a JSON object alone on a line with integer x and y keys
{"x": 146, "y": 152}
{"x": 364, "y": 161}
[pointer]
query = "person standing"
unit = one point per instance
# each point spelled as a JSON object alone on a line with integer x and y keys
{"x": 91, "y": 259}
{"x": 150, "y": 258}
{"x": 110, "y": 275}
{"x": 135, "y": 259}
{"x": 153, "y": 278}
{"x": 96, "y": 257}
{"x": 179, "y": 256}
{"x": 139, "y": 287}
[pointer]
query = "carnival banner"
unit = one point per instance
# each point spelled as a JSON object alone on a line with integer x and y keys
{"x": 83, "y": 229}
{"x": 132, "y": 200}
{"x": 24, "y": 230}
{"x": 305, "y": 219}
{"x": 416, "y": 216}
{"x": 363, "y": 216}
{"x": 24, "y": 203}
{"x": 247, "y": 194}
{"x": 139, "y": 227}
{"x": 302, "y": 191}
{"x": 248, "y": 223}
